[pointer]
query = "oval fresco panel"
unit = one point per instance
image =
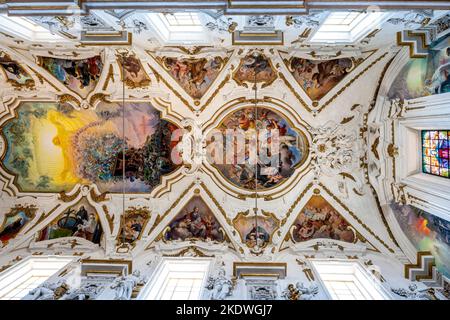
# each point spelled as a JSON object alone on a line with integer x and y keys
{"x": 292, "y": 149}
{"x": 52, "y": 147}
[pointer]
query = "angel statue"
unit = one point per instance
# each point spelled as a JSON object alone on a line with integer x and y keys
{"x": 48, "y": 291}
{"x": 300, "y": 292}
{"x": 124, "y": 285}
{"x": 220, "y": 286}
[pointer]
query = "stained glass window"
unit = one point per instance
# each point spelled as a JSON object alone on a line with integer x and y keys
{"x": 435, "y": 152}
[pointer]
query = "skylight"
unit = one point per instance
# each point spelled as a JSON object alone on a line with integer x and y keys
{"x": 178, "y": 27}
{"x": 26, "y": 29}
{"x": 347, "y": 26}
{"x": 182, "y": 19}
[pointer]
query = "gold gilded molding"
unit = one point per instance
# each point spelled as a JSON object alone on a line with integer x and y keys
{"x": 289, "y": 183}
{"x": 380, "y": 80}
{"x": 68, "y": 198}
{"x": 97, "y": 97}
{"x": 67, "y": 98}
{"x": 191, "y": 251}
{"x": 374, "y": 147}
{"x": 129, "y": 263}
{"x": 224, "y": 61}
{"x": 159, "y": 218}
{"x": 259, "y": 264}
{"x": 109, "y": 77}
{"x": 177, "y": 94}
{"x": 190, "y": 51}
{"x": 216, "y": 91}
{"x": 295, "y": 203}
{"x": 410, "y": 45}
{"x": 98, "y": 197}
{"x": 348, "y": 84}
{"x": 109, "y": 218}
{"x": 294, "y": 92}
{"x": 217, "y": 204}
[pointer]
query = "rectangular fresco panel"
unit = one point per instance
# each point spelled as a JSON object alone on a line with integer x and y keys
{"x": 424, "y": 76}
{"x": 426, "y": 232}
{"x": 435, "y": 152}
{"x": 52, "y": 147}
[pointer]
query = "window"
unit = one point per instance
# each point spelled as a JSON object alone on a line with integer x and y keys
{"x": 18, "y": 280}
{"x": 177, "y": 279}
{"x": 346, "y": 280}
{"x": 347, "y": 26}
{"x": 435, "y": 152}
{"x": 27, "y": 29}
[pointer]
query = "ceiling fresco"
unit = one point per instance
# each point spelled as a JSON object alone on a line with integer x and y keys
{"x": 52, "y": 147}
{"x": 195, "y": 76}
{"x": 319, "y": 220}
{"x": 80, "y": 76}
{"x": 132, "y": 71}
{"x": 427, "y": 232}
{"x": 15, "y": 220}
{"x": 14, "y": 73}
{"x": 195, "y": 222}
{"x": 255, "y": 67}
{"x": 292, "y": 151}
{"x": 317, "y": 78}
{"x": 427, "y": 76}
{"x": 71, "y": 112}
{"x": 78, "y": 221}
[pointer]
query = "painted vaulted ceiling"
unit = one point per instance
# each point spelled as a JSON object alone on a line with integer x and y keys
{"x": 78, "y": 90}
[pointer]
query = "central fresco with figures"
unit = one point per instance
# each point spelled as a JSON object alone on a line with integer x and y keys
{"x": 52, "y": 147}
{"x": 291, "y": 150}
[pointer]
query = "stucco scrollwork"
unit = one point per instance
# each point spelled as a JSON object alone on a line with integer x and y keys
{"x": 336, "y": 151}
{"x": 192, "y": 146}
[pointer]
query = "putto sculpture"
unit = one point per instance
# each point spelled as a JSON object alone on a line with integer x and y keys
{"x": 300, "y": 292}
